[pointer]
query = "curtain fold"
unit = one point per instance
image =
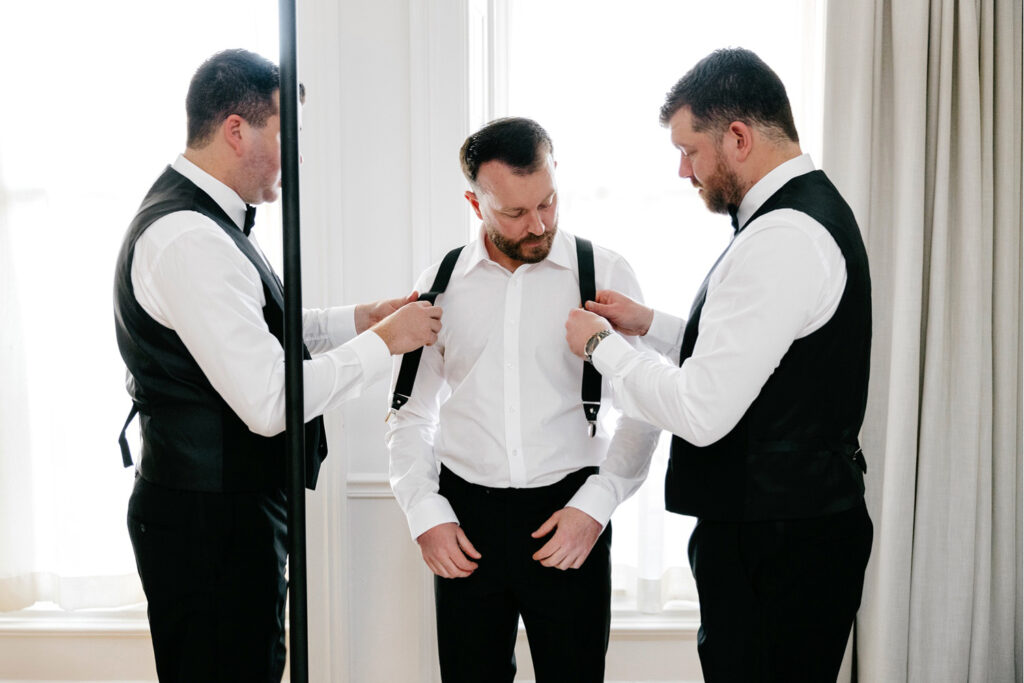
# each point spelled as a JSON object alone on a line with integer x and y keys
{"x": 923, "y": 137}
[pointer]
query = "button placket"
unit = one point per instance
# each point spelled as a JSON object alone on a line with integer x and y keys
{"x": 513, "y": 394}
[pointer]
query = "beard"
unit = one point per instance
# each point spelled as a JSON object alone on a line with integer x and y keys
{"x": 723, "y": 189}
{"x": 529, "y": 249}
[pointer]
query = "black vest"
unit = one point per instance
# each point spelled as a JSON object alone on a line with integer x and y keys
{"x": 794, "y": 453}
{"x": 191, "y": 439}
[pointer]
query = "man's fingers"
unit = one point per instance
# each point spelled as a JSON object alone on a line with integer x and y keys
{"x": 435, "y": 567}
{"x": 467, "y": 547}
{"x": 546, "y": 551}
{"x": 412, "y": 297}
{"x": 556, "y": 559}
{"x": 447, "y": 568}
{"x": 462, "y": 563}
{"x": 546, "y": 527}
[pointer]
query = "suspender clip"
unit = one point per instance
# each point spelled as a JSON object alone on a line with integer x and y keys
{"x": 590, "y": 410}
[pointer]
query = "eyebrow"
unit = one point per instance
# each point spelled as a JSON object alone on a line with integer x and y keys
{"x": 513, "y": 209}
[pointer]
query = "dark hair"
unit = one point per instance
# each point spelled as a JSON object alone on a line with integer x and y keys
{"x": 729, "y": 85}
{"x": 521, "y": 143}
{"x": 230, "y": 82}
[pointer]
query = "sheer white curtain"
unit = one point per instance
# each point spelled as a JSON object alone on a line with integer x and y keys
{"x": 596, "y": 80}
{"x": 94, "y": 110}
{"x": 923, "y": 136}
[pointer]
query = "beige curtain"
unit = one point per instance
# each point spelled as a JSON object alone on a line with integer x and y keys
{"x": 923, "y": 137}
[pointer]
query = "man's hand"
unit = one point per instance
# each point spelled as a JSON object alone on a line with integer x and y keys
{"x": 368, "y": 315}
{"x": 576, "y": 532}
{"x": 580, "y": 327}
{"x": 445, "y": 548}
{"x": 625, "y": 315}
{"x": 410, "y": 327}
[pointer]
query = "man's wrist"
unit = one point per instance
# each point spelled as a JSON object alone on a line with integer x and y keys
{"x": 592, "y": 342}
{"x": 362, "y": 318}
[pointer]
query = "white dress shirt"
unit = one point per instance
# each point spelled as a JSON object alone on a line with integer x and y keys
{"x": 497, "y": 398}
{"x": 189, "y": 276}
{"x": 780, "y": 280}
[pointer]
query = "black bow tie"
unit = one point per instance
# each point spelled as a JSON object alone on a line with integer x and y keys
{"x": 250, "y": 218}
{"x": 733, "y": 210}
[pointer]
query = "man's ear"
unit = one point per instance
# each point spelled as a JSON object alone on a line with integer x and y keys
{"x": 739, "y": 140}
{"x": 232, "y": 130}
{"x": 474, "y": 202}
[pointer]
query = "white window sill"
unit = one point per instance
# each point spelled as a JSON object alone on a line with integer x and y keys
{"x": 48, "y": 620}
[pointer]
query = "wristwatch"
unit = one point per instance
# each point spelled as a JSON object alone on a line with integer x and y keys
{"x": 591, "y": 345}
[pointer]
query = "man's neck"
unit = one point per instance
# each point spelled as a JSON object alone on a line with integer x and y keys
{"x": 211, "y": 163}
{"x": 768, "y": 162}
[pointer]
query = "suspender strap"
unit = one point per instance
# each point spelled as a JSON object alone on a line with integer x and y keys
{"x": 591, "y": 390}
{"x": 126, "y": 454}
{"x": 411, "y": 360}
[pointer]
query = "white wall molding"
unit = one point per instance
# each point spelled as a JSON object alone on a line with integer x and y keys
{"x": 369, "y": 486}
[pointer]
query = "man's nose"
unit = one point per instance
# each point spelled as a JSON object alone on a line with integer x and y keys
{"x": 685, "y": 168}
{"x": 536, "y": 226}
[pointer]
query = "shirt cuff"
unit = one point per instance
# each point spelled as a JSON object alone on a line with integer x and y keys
{"x": 611, "y": 355}
{"x": 374, "y": 356}
{"x": 664, "y": 333}
{"x": 428, "y": 513}
{"x": 341, "y": 324}
{"x": 595, "y": 501}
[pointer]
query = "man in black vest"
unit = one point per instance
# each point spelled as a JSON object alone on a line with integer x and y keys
{"x": 199, "y": 316}
{"x": 769, "y": 396}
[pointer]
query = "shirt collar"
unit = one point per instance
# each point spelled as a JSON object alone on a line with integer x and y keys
{"x": 226, "y": 198}
{"x": 772, "y": 183}
{"x": 562, "y": 252}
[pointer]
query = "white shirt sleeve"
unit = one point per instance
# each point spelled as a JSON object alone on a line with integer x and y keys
{"x": 413, "y": 467}
{"x": 325, "y": 328}
{"x": 777, "y": 284}
{"x": 190, "y": 277}
{"x": 629, "y": 455}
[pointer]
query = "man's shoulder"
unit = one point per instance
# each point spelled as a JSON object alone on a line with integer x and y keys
{"x": 427, "y": 276}
{"x": 184, "y": 227}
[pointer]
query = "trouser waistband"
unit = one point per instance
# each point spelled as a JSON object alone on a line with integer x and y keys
{"x": 452, "y": 483}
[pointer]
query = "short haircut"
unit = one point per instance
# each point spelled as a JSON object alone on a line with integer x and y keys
{"x": 729, "y": 85}
{"x": 230, "y": 82}
{"x": 519, "y": 142}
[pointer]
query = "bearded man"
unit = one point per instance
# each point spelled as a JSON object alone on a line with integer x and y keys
{"x": 516, "y": 521}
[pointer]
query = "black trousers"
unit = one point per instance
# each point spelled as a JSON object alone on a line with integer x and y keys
{"x": 212, "y": 566}
{"x": 778, "y": 598}
{"x": 566, "y": 613}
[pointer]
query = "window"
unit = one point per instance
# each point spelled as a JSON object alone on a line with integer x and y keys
{"x": 595, "y": 79}
{"x": 86, "y": 131}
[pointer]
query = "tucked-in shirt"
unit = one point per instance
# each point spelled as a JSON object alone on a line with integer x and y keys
{"x": 189, "y": 276}
{"x": 780, "y": 280}
{"x": 497, "y": 398}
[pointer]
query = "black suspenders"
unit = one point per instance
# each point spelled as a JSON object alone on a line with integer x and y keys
{"x": 591, "y": 390}
{"x": 411, "y": 360}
